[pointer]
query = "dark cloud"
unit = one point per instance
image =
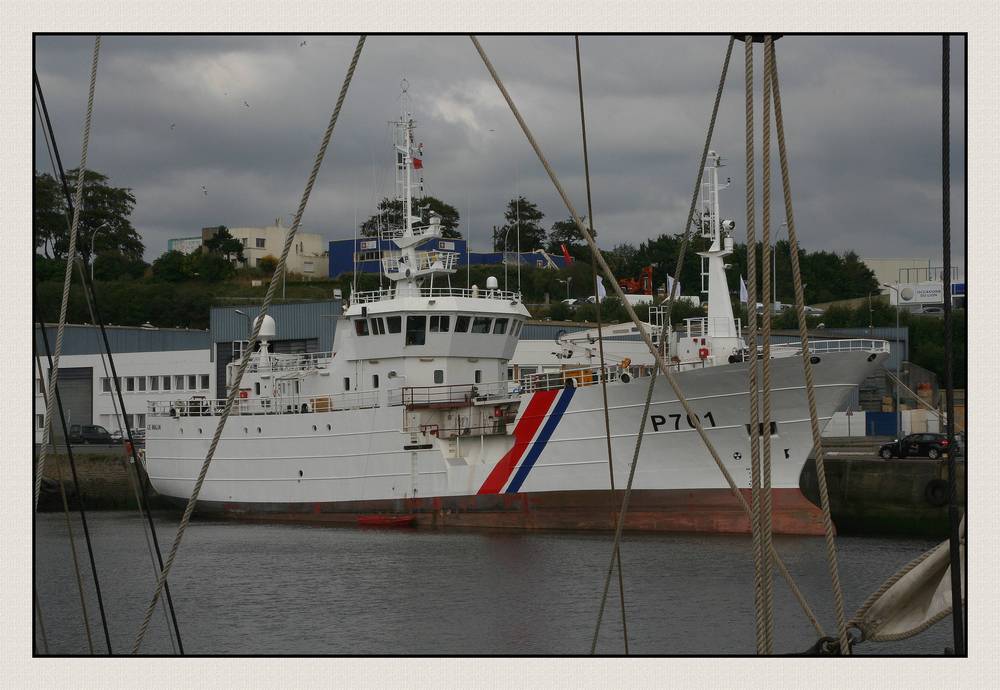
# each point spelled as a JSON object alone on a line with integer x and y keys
{"x": 862, "y": 119}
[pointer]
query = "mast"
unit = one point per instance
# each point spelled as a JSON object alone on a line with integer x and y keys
{"x": 720, "y": 321}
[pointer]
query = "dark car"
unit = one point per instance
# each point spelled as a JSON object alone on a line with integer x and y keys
{"x": 930, "y": 446}
{"x": 89, "y": 433}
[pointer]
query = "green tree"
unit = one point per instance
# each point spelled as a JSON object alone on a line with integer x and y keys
{"x": 115, "y": 266}
{"x": 105, "y": 210}
{"x": 209, "y": 267}
{"x": 223, "y": 243}
{"x": 391, "y": 212}
{"x": 566, "y": 232}
{"x": 171, "y": 267}
{"x": 530, "y": 229}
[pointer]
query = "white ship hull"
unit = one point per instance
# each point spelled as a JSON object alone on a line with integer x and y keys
{"x": 549, "y": 470}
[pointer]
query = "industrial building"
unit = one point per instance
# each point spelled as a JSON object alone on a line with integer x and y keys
{"x": 363, "y": 255}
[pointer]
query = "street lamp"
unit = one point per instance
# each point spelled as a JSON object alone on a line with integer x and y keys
{"x": 871, "y": 314}
{"x": 568, "y": 282}
{"x": 899, "y": 357}
{"x": 93, "y": 258}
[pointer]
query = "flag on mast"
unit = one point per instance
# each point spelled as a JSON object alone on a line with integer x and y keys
{"x": 601, "y": 290}
{"x": 744, "y": 296}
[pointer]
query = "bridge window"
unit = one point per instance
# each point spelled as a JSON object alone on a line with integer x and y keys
{"x": 462, "y": 323}
{"x": 361, "y": 327}
{"x": 378, "y": 326}
{"x": 256, "y": 387}
{"x": 395, "y": 323}
{"x": 481, "y": 324}
{"x": 374, "y": 380}
{"x": 347, "y": 383}
{"x": 479, "y": 376}
{"x": 500, "y": 326}
{"x": 416, "y": 330}
{"x": 204, "y": 381}
{"x": 439, "y": 324}
{"x": 439, "y": 376}
{"x": 166, "y": 383}
{"x": 154, "y": 383}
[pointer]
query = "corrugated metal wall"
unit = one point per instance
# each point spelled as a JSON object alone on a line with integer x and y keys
{"x": 86, "y": 340}
{"x": 293, "y": 321}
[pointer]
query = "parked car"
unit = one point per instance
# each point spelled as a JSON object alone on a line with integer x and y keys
{"x": 89, "y": 433}
{"x": 930, "y": 446}
{"x": 930, "y": 311}
{"x": 571, "y": 302}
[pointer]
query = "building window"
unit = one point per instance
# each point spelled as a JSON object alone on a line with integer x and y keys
{"x": 142, "y": 383}
{"x": 154, "y": 383}
{"x": 40, "y": 421}
{"x": 439, "y": 324}
{"x": 166, "y": 383}
{"x": 479, "y": 376}
{"x": 259, "y": 242}
{"x": 462, "y": 323}
{"x": 500, "y": 326}
{"x": 140, "y": 421}
{"x": 481, "y": 324}
{"x": 243, "y": 241}
{"x": 416, "y": 330}
{"x": 395, "y": 323}
{"x": 374, "y": 380}
{"x": 129, "y": 383}
{"x": 439, "y": 376}
{"x": 192, "y": 382}
{"x": 179, "y": 382}
{"x": 347, "y": 383}
{"x": 105, "y": 385}
{"x": 510, "y": 373}
{"x": 361, "y": 326}
{"x": 307, "y": 267}
{"x": 204, "y": 382}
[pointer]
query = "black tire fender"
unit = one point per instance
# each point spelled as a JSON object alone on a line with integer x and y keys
{"x": 936, "y": 492}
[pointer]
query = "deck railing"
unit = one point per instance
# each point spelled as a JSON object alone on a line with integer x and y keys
{"x": 841, "y": 345}
{"x": 285, "y": 362}
{"x": 445, "y": 395}
{"x": 432, "y": 292}
{"x": 295, "y": 404}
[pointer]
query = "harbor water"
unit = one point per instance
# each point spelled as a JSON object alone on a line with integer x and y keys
{"x": 287, "y": 589}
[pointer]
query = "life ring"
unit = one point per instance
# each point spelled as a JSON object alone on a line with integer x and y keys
{"x": 703, "y": 353}
{"x": 936, "y": 492}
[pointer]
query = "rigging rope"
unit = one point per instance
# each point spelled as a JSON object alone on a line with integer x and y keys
{"x": 660, "y": 361}
{"x": 245, "y": 360}
{"x": 771, "y": 66}
{"x": 72, "y": 466}
{"x": 764, "y": 514}
{"x": 52, "y": 148}
{"x": 600, "y": 346}
{"x": 69, "y": 531}
{"x": 67, "y": 278}
{"x": 958, "y": 630}
{"x": 41, "y": 623}
{"x": 759, "y": 553}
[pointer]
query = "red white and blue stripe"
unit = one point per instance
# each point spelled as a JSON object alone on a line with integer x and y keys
{"x": 531, "y": 434}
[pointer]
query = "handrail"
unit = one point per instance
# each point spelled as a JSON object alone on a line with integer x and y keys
{"x": 296, "y": 404}
{"x": 285, "y": 362}
{"x": 369, "y": 296}
{"x": 837, "y": 345}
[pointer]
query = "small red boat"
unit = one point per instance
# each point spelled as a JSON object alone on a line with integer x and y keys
{"x": 387, "y": 520}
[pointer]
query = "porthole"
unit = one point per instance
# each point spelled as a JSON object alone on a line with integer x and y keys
{"x": 244, "y": 430}
{"x": 871, "y": 357}
{"x": 328, "y": 427}
{"x": 314, "y": 427}
{"x": 181, "y": 429}
{"x": 814, "y": 360}
{"x": 258, "y": 430}
{"x": 300, "y": 473}
{"x": 199, "y": 430}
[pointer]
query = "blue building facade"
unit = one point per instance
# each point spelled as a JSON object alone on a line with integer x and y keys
{"x": 364, "y": 252}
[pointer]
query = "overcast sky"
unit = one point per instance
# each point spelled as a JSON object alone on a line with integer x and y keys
{"x": 862, "y": 118}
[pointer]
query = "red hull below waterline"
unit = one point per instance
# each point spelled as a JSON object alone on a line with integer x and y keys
{"x": 695, "y": 510}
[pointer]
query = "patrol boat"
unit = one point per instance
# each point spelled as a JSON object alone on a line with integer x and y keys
{"x": 413, "y": 413}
